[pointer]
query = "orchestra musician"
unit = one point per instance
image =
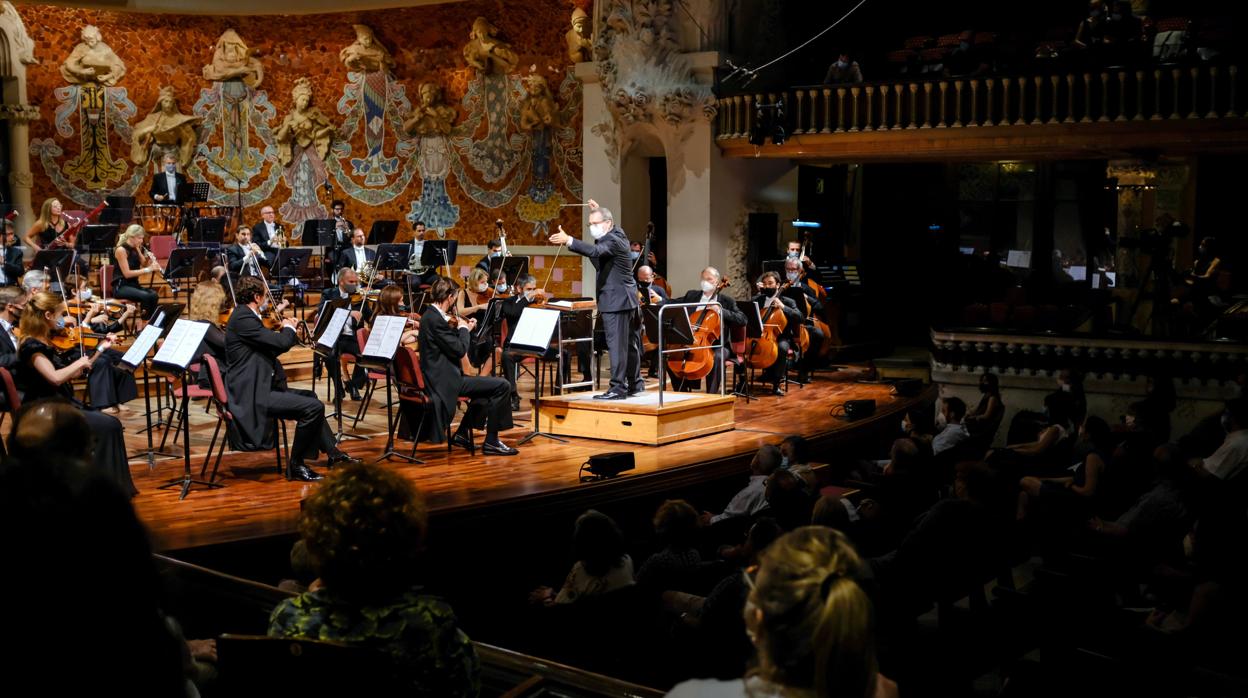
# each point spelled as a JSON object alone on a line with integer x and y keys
{"x": 494, "y": 250}
{"x": 424, "y": 275}
{"x": 617, "y": 299}
{"x": 239, "y": 255}
{"x": 442, "y": 347}
{"x": 650, "y": 294}
{"x": 793, "y": 271}
{"x": 342, "y": 227}
{"x": 769, "y": 295}
{"x": 44, "y": 373}
{"x": 128, "y": 255}
{"x": 205, "y": 307}
{"x": 527, "y": 294}
{"x": 268, "y": 233}
{"x": 168, "y": 184}
{"x": 390, "y": 302}
{"x": 47, "y": 226}
{"x": 808, "y": 267}
{"x": 12, "y": 302}
{"x": 348, "y": 285}
{"x": 356, "y": 255}
{"x": 707, "y": 291}
{"x": 257, "y": 388}
{"x": 472, "y": 302}
{"x": 11, "y": 263}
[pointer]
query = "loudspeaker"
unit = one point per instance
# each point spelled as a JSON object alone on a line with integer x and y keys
{"x": 605, "y": 465}
{"x": 857, "y": 409}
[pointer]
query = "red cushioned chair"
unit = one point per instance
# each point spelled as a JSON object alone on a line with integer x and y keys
{"x": 361, "y": 337}
{"x": 409, "y": 381}
{"x": 220, "y": 401}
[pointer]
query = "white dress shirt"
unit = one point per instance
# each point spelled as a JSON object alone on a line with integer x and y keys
{"x": 171, "y": 182}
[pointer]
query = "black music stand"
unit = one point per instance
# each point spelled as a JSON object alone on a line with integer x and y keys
{"x": 183, "y": 264}
{"x": 164, "y": 316}
{"x": 290, "y": 263}
{"x": 383, "y": 232}
{"x": 97, "y": 239}
{"x": 385, "y": 362}
{"x": 140, "y": 354}
{"x": 753, "y": 331}
{"x": 776, "y": 265}
{"x": 392, "y": 256}
{"x": 315, "y": 231}
{"x": 439, "y": 253}
{"x": 330, "y": 353}
{"x": 188, "y": 332}
{"x": 120, "y": 211}
{"x": 514, "y": 268}
{"x": 538, "y": 349}
{"x": 56, "y": 263}
{"x": 209, "y": 230}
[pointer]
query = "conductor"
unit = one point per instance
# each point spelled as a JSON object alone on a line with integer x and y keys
{"x": 617, "y": 298}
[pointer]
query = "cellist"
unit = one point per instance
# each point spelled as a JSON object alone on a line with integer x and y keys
{"x": 769, "y": 296}
{"x": 810, "y": 356}
{"x": 709, "y": 290}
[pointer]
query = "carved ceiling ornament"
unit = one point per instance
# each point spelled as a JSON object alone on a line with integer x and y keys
{"x": 646, "y": 81}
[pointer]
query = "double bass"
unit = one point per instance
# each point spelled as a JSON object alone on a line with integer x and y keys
{"x": 697, "y": 362}
{"x": 644, "y": 260}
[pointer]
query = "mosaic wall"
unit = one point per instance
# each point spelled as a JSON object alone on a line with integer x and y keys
{"x": 503, "y": 142}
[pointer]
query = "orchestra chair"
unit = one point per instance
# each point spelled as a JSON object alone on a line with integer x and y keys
{"x": 361, "y": 336}
{"x": 524, "y": 363}
{"x": 12, "y": 400}
{"x": 409, "y": 381}
{"x": 193, "y": 392}
{"x": 162, "y": 246}
{"x": 737, "y": 347}
{"x": 220, "y": 401}
{"x": 255, "y": 665}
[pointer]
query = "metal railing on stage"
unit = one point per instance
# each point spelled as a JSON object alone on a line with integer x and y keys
{"x": 716, "y": 349}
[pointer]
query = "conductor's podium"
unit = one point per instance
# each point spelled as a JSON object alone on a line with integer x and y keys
{"x": 638, "y": 419}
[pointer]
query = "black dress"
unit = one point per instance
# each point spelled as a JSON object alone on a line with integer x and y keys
{"x": 50, "y": 233}
{"x": 131, "y": 289}
{"x": 109, "y": 452}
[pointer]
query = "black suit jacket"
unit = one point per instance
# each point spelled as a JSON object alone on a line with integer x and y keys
{"x": 617, "y": 288}
{"x": 733, "y": 315}
{"x": 792, "y": 316}
{"x": 8, "y": 359}
{"x": 252, "y": 373}
{"x": 12, "y": 265}
{"x": 161, "y": 186}
{"x": 441, "y": 349}
{"x": 333, "y": 294}
{"x": 346, "y": 258}
{"x": 235, "y": 258}
{"x": 260, "y": 235}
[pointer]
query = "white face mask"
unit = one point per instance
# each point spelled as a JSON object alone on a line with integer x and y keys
{"x": 792, "y": 275}
{"x": 85, "y": 294}
{"x": 598, "y": 230}
{"x": 707, "y": 286}
{"x": 941, "y": 422}
{"x": 481, "y": 287}
{"x": 530, "y": 295}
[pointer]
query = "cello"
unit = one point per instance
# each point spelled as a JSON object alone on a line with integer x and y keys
{"x": 766, "y": 349}
{"x": 698, "y": 361}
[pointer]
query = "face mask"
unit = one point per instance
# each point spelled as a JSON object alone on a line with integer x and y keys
{"x": 84, "y": 294}
{"x": 643, "y": 284}
{"x": 707, "y": 286}
{"x": 170, "y": 169}
{"x": 60, "y": 323}
{"x": 792, "y": 275}
{"x": 351, "y": 288}
{"x": 784, "y": 461}
{"x": 842, "y": 64}
{"x": 481, "y": 288}
{"x": 794, "y": 255}
{"x": 633, "y": 255}
{"x": 1065, "y": 387}
{"x": 530, "y": 295}
{"x": 264, "y": 305}
{"x": 598, "y": 230}
{"x": 501, "y": 287}
{"x": 496, "y": 254}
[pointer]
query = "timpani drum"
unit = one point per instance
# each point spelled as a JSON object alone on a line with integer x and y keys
{"x": 158, "y": 219}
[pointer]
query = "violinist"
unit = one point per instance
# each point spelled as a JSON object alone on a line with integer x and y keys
{"x": 390, "y": 302}
{"x": 205, "y": 307}
{"x": 96, "y": 315}
{"x": 650, "y": 294}
{"x": 11, "y": 263}
{"x": 770, "y": 300}
{"x": 472, "y": 302}
{"x": 526, "y": 295}
{"x": 348, "y": 289}
{"x": 494, "y": 250}
{"x": 245, "y": 256}
{"x": 44, "y": 373}
{"x": 12, "y": 299}
{"x": 442, "y": 348}
{"x": 130, "y": 262}
{"x": 793, "y": 272}
{"x": 709, "y": 290}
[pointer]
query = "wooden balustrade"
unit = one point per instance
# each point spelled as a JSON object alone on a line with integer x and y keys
{"x": 1009, "y": 101}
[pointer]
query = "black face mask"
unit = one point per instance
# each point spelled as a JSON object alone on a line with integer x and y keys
{"x": 983, "y": 388}
{"x": 644, "y": 284}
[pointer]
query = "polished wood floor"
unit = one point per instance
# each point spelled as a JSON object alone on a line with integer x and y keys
{"x": 257, "y": 502}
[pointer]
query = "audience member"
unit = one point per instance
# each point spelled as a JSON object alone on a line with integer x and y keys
{"x": 601, "y": 564}
{"x": 1229, "y": 460}
{"x": 810, "y": 623}
{"x": 753, "y": 497}
{"x": 1154, "y": 526}
{"x": 676, "y": 526}
{"x": 843, "y": 71}
{"x": 1048, "y": 449}
{"x": 364, "y": 527}
{"x": 1074, "y": 495}
{"x": 984, "y": 420}
{"x": 950, "y": 429}
{"x": 788, "y": 500}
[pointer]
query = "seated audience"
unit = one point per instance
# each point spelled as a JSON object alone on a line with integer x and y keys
{"x": 1074, "y": 494}
{"x": 601, "y": 564}
{"x": 788, "y": 499}
{"x": 810, "y": 623}
{"x": 984, "y": 420}
{"x": 676, "y": 525}
{"x": 753, "y": 497}
{"x": 1153, "y": 528}
{"x": 953, "y": 431}
{"x": 1049, "y": 446}
{"x": 364, "y": 527}
{"x": 1229, "y": 460}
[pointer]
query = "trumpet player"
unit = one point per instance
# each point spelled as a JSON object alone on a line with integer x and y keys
{"x": 243, "y": 253}
{"x": 268, "y": 233}
{"x": 131, "y": 261}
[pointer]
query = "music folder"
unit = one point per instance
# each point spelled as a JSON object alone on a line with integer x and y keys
{"x": 383, "y": 340}
{"x": 181, "y": 343}
{"x": 753, "y": 319}
{"x": 534, "y": 331}
{"x": 142, "y": 345}
{"x": 328, "y": 318}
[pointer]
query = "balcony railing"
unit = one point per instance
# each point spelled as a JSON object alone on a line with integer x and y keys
{"x": 1155, "y": 93}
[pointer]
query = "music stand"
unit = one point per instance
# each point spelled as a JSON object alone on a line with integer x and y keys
{"x": 56, "y": 263}
{"x": 209, "y": 230}
{"x": 531, "y": 337}
{"x": 193, "y": 192}
{"x": 290, "y": 263}
{"x": 392, "y": 256}
{"x": 182, "y": 265}
{"x": 97, "y": 239}
{"x": 315, "y": 231}
{"x": 383, "y": 232}
{"x": 136, "y": 356}
{"x": 776, "y": 265}
{"x": 514, "y": 268}
{"x": 437, "y": 253}
{"x": 378, "y": 354}
{"x": 329, "y": 325}
{"x": 174, "y": 357}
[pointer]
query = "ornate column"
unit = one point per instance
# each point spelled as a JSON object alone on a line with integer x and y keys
{"x": 21, "y": 180}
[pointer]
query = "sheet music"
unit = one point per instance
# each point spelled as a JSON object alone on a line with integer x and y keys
{"x": 142, "y": 345}
{"x": 334, "y": 327}
{"x": 566, "y": 305}
{"x": 181, "y": 343}
{"x": 384, "y": 338}
{"x": 1019, "y": 259}
{"x": 536, "y": 327}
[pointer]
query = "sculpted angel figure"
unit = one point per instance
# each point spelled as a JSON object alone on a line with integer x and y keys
{"x": 580, "y": 38}
{"x": 92, "y": 61}
{"x": 366, "y": 55}
{"x": 486, "y": 52}
{"x": 538, "y": 110}
{"x": 166, "y": 130}
{"x": 232, "y": 60}
{"x": 432, "y": 117}
{"x": 304, "y": 126}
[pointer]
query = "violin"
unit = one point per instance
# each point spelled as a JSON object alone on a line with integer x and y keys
{"x": 766, "y": 349}
{"x": 69, "y": 338}
{"x": 370, "y": 296}
{"x": 698, "y": 361}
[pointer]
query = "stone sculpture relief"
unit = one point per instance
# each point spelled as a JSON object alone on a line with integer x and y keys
{"x": 92, "y": 61}
{"x": 580, "y": 38}
{"x": 232, "y": 60}
{"x": 165, "y": 130}
{"x": 366, "y": 55}
{"x": 432, "y": 117}
{"x": 486, "y": 53}
{"x": 303, "y": 127}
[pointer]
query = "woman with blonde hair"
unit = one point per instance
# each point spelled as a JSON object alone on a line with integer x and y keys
{"x": 205, "y": 307}
{"x": 44, "y": 374}
{"x": 810, "y": 623}
{"x": 472, "y": 303}
{"x": 129, "y": 265}
{"x": 47, "y": 226}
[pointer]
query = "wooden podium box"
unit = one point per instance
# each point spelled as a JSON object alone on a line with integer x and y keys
{"x": 639, "y": 419}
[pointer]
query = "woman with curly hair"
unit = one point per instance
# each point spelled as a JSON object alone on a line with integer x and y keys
{"x": 364, "y": 528}
{"x": 810, "y": 623}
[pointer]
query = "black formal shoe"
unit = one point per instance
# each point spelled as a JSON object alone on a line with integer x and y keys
{"x": 515, "y": 403}
{"x": 637, "y": 390}
{"x": 344, "y": 459}
{"x": 302, "y": 473}
{"x": 462, "y": 441}
{"x": 498, "y": 449}
{"x": 355, "y": 394}
{"x": 611, "y": 395}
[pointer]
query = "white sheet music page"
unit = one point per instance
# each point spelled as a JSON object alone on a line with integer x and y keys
{"x": 535, "y": 328}
{"x": 383, "y": 339}
{"x": 181, "y": 343}
{"x": 334, "y": 327}
{"x": 142, "y": 345}
{"x": 566, "y": 305}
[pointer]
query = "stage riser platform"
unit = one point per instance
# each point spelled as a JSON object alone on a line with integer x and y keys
{"x": 683, "y": 416}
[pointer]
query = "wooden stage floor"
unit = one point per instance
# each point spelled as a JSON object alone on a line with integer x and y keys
{"x": 257, "y": 502}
